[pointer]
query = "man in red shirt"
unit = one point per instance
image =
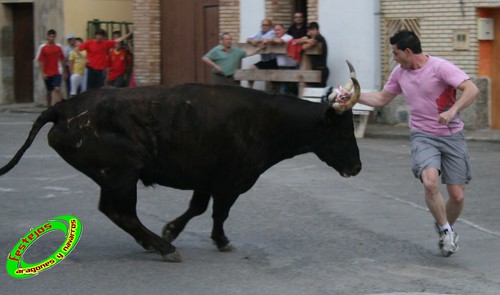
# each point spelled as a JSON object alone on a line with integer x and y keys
{"x": 118, "y": 59}
{"x": 97, "y": 50}
{"x": 48, "y": 58}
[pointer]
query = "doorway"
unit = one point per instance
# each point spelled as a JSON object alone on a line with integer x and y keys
{"x": 23, "y": 36}
{"x": 189, "y": 29}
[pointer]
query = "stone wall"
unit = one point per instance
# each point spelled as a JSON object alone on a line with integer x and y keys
{"x": 48, "y": 14}
{"x": 6, "y": 56}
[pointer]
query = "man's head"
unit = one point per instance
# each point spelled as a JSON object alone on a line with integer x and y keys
{"x": 266, "y": 25}
{"x": 313, "y": 29}
{"x": 70, "y": 38}
{"x": 51, "y": 36}
{"x": 298, "y": 19}
{"x": 405, "y": 44}
{"x": 117, "y": 34}
{"x": 279, "y": 30}
{"x": 100, "y": 35}
{"x": 78, "y": 41}
{"x": 226, "y": 40}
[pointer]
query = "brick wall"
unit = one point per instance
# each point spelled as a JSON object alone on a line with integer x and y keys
{"x": 279, "y": 11}
{"x": 229, "y": 17}
{"x": 312, "y": 11}
{"x": 438, "y": 20}
{"x": 147, "y": 42}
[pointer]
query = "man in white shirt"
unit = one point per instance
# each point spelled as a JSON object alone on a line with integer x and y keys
{"x": 283, "y": 60}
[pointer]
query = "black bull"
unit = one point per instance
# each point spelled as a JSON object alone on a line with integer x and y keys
{"x": 214, "y": 140}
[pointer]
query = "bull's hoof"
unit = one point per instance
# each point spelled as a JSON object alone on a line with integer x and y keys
{"x": 172, "y": 257}
{"x": 168, "y": 234}
{"x": 226, "y": 248}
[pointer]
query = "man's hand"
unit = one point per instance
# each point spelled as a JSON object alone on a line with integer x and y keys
{"x": 445, "y": 117}
{"x": 342, "y": 95}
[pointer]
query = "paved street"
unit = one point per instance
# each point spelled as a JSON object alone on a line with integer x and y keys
{"x": 302, "y": 229}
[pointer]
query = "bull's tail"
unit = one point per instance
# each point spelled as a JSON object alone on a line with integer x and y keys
{"x": 49, "y": 115}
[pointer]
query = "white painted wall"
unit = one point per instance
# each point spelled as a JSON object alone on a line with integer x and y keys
{"x": 352, "y": 30}
{"x": 252, "y": 12}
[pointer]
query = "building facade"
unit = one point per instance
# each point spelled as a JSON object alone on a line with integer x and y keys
{"x": 24, "y": 25}
{"x": 172, "y": 35}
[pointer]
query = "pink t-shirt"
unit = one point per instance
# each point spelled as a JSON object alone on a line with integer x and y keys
{"x": 429, "y": 91}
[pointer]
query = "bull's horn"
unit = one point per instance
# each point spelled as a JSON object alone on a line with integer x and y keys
{"x": 339, "y": 107}
{"x": 347, "y": 87}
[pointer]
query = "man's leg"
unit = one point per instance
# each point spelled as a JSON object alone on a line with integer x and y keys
{"x": 48, "y": 98}
{"x": 56, "y": 82}
{"x": 57, "y": 94}
{"x": 455, "y": 202}
{"x": 433, "y": 198}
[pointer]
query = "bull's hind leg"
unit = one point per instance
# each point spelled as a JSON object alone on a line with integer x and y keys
{"x": 197, "y": 205}
{"x": 221, "y": 207}
{"x": 118, "y": 202}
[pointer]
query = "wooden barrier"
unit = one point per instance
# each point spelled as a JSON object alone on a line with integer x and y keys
{"x": 302, "y": 75}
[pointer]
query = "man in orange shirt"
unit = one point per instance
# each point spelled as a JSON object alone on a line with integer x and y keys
{"x": 49, "y": 57}
{"x": 97, "y": 50}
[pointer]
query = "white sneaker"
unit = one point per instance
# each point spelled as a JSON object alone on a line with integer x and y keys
{"x": 448, "y": 242}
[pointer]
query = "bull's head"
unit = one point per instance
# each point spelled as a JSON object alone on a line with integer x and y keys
{"x": 335, "y": 98}
{"x": 339, "y": 149}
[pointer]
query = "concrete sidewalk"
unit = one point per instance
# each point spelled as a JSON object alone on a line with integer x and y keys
{"x": 402, "y": 131}
{"x": 372, "y": 130}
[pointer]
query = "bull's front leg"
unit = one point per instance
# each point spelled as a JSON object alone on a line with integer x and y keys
{"x": 118, "y": 201}
{"x": 222, "y": 205}
{"x": 197, "y": 206}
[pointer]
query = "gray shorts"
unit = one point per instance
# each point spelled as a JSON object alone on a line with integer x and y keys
{"x": 448, "y": 154}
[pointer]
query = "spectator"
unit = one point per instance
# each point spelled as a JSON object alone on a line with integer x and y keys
{"x": 97, "y": 50}
{"x": 70, "y": 39}
{"x": 51, "y": 60}
{"x": 298, "y": 28}
{"x": 117, "y": 65}
{"x": 267, "y": 61}
{"x": 129, "y": 56}
{"x": 283, "y": 60}
{"x": 318, "y": 62}
{"x": 77, "y": 63}
{"x": 225, "y": 59}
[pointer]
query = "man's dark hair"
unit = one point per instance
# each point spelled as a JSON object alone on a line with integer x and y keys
{"x": 224, "y": 34}
{"x": 100, "y": 32}
{"x": 51, "y": 32}
{"x": 313, "y": 25}
{"x": 79, "y": 39}
{"x": 406, "y": 39}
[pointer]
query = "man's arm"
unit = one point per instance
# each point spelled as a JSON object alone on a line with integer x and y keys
{"x": 376, "y": 99}
{"x": 307, "y": 42}
{"x": 41, "y": 64}
{"x": 469, "y": 94}
{"x": 209, "y": 62}
{"x": 71, "y": 65}
{"x": 254, "y": 51}
{"x": 125, "y": 37}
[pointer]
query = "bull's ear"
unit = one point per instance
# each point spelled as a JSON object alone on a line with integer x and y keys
{"x": 329, "y": 116}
